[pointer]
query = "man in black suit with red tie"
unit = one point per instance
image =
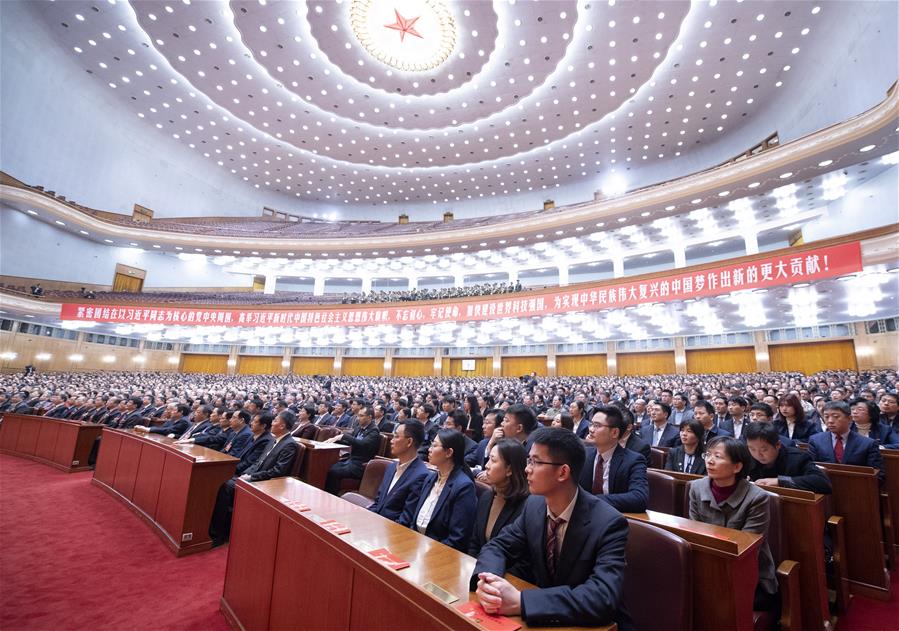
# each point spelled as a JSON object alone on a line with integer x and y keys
{"x": 572, "y": 543}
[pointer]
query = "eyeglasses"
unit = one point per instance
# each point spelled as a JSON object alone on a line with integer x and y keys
{"x": 597, "y": 425}
{"x": 533, "y": 461}
{"x": 707, "y": 456}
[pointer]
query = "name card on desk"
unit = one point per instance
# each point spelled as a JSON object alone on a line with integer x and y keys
{"x": 475, "y": 612}
{"x": 335, "y": 526}
{"x": 389, "y": 559}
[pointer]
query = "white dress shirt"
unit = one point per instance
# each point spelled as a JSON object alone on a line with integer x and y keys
{"x": 424, "y": 515}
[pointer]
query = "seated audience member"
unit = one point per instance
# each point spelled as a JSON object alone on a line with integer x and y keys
{"x": 704, "y": 412}
{"x": 577, "y": 410}
{"x": 840, "y": 444}
{"x": 475, "y": 418}
{"x": 381, "y": 420}
{"x": 427, "y": 415}
{"x": 174, "y": 426}
{"x": 274, "y": 463}
{"x": 563, "y": 420}
{"x": 241, "y": 437}
{"x": 493, "y": 418}
{"x": 18, "y": 404}
{"x": 262, "y": 441}
{"x": 736, "y": 407}
{"x": 687, "y": 457}
{"x": 571, "y": 544}
{"x": 503, "y": 503}
{"x": 364, "y": 444}
{"x": 889, "y": 410}
{"x": 130, "y": 417}
{"x": 764, "y": 413}
{"x": 680, "y": 411}
{"x": 325, "y": 417}
{"x": 791, "y": 420}
{"x": 201, "y": 423}
{"x": 519, "y": 423}
{"x": 403, "y": 479}
{"x": 631, "y": 441}
{"x": 659, "y": 432}
{"x": 779, "y": 465}
{"x": 217, "y": 433}
{"x": 445, "y": 508}
{"x": 458, "y": 420}
{"x": 305, "y": 428}
{"x": 866, "y": 421}
{"x": 726, "y": 498}
{"x": 614, "y": 474}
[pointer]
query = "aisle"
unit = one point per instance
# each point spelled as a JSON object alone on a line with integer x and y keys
{"x": 72, "y": 557}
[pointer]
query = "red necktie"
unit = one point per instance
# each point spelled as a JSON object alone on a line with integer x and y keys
{"x": 838, "y": 448}
{"x": 598, "y": 475}
{"x": 552, "y": 525}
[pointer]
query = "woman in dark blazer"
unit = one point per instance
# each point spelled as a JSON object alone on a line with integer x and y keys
{"x": 475, "y": 419}
{"x": 445, "y": 508}
{"x": 687, "y": 457}
{"x": 791, "y": 422}
{"x": 866, "y": 421}
{"x": 502, "y": 504}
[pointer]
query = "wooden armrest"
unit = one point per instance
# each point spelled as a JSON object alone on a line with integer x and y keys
{"x": 840, "y": 577}
{"x": 790, "y": 607}
{"x": 886, "y": 517}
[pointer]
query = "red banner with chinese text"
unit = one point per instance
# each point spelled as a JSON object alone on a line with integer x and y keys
{"x": 785, "y": 269}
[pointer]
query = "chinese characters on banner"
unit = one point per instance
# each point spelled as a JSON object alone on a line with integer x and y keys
{"x": 785, "y": 269}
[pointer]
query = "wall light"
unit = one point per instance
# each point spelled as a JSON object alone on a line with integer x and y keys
{"x": 140, "y": 359}
{"x": 8, "y": 355}
{"x": 285, "y": 364}
{"x": 78, "y": 357}
{"x": 174, "y": 359}
{"x": 231, "y": 362}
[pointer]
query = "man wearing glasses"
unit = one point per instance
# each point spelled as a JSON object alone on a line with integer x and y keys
{"x": 612, "y": 473}
{"x": 571, "y": 542}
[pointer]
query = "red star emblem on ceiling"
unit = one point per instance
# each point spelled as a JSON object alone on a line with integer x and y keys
{"x": 404, "y": 26}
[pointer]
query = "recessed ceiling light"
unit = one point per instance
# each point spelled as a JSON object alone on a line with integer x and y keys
{"x": 59, "y": 223}
{"x": 825, "y": 163}
{"x": 867, "y": 148}
{"x": 31, "y": 212}
{"x": 784, "y": 176}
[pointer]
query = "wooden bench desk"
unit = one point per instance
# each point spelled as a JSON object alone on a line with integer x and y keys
{"x": 286, "y": 572}
{"x": 725, "y": 570}
{"x": 172, "y": 487}
{"x": 856, "y": 498}
{"x": 319, "y": 458}
{"x": 57, "y": 442}
{"x": 891, "y": 486}
{"x": 680, "y": 485}
{"x": 802, "y": 520}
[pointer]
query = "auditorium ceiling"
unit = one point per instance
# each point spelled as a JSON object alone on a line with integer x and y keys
{"x": 404, "y": 102}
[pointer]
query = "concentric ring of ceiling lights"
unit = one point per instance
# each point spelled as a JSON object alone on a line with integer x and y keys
{"x": 420, "y": 39}
{"x": 541, "y": 96}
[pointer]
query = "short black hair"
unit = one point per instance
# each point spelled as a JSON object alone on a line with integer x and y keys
{"x": 702, "y": 403}
{"x": 459, "y": 419}
{"x": 243, "y": 415}
{"x": 428, "y": 409}
{"x": 524, "y": 415}
{"x": 698, "y": 430}
{"x": 415, "y": 430}
{"x": 137, "y": 401}
{"x": 665, "y": 408}
{"x": 840, "y": 406}
{"x": 265, "y": 419}
{"x": 737, "y": 452}
{"x": 764, "y": 408}
{"x": 310, "y": 411}
{"x": 183, "y": 409}
{"x": 738, "y": 400}
{"x": 563, "y": 446}
{"x": 763, "y": 431}
{"x": 614, "y": 418}
{"x": 288, "y": 418}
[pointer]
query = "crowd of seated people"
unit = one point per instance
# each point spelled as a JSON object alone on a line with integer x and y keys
{"x": 520, "y": 438}
{"x": 411, "y": 295}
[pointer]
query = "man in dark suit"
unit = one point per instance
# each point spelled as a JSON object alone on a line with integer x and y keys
{"x": 458, "y": 421}
{"x": 492, "y": 419}
{"x": 641, "y": 414}
{"x": 680, "y": 411}
{"x": 364, "y": 445}
{"x": 611, "y": 472}
{"x": 262, "y": 441}
{"x": 381, "y": 420}
{"x": 659, "y": 432}
{"x": 174, "y": 427}
{"x": 325, "y": 417}
{"x": 275, "y": 463}
{"x": 840, "y": 444}
{"x": 346, "y": 417}
{"x": 201, "y": 423}
{"x": 572, "y": 543}
{"x": 779, "y": 465}
{"x": 130, "y": 418}
{"x": 241, "y": 435}
{"x": 631, "y": 441}
{"x": 721, "y": 414}
{"x": 18, "y": 405}
{"x": 402, "y": 480}
{"x": 704, "y": 412}
{"x": 737, "y": 408}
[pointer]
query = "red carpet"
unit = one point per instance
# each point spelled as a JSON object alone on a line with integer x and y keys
{"x": 73, "y": 557}
{"x": 866, "y": 614}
